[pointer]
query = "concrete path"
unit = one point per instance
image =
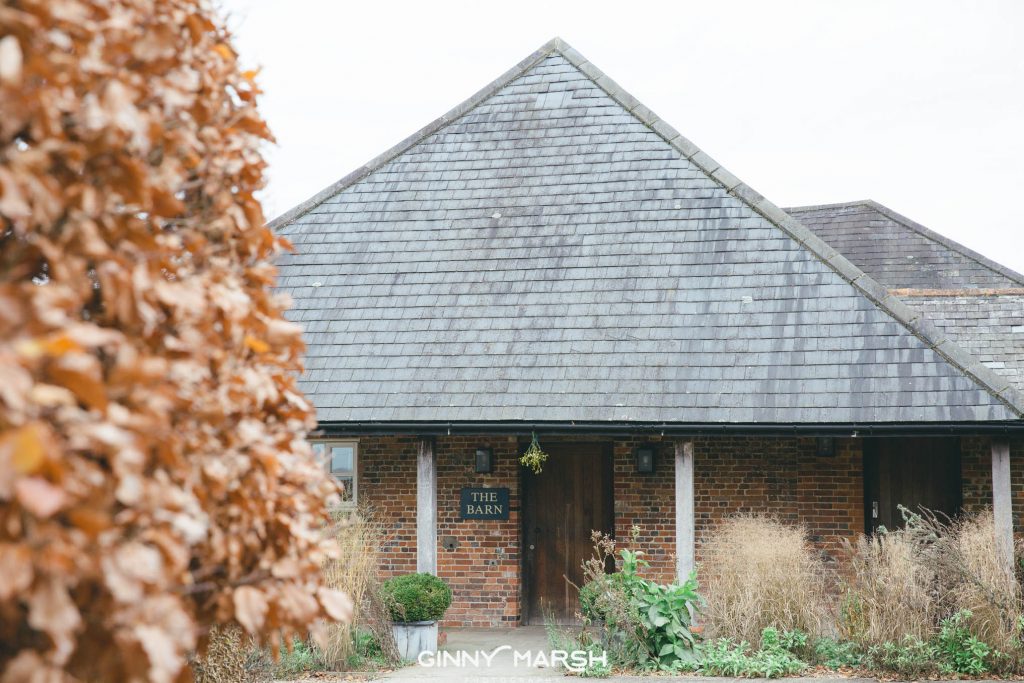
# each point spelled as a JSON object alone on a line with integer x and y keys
{"x": 482, "y": 654}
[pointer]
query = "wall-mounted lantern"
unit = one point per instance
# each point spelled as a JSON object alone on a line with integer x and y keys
{"x": 644, "y": 459}
{"x": 484, "y": 460}
{"x": 826, "y": 447}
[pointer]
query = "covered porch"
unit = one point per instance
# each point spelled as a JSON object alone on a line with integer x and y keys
{"x": 511, "y": 569}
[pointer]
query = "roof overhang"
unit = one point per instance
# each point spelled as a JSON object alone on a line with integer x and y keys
{"x": 678, "y": 429}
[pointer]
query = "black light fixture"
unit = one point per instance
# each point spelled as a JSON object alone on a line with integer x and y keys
{"x": 826, "y": 447}
{"x": 644, "y": 459}
{"x": 484, "y": 460}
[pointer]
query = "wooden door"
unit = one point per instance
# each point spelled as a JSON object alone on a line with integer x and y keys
{"x": 561, "y": 506}
{"x": 915, "y": 472}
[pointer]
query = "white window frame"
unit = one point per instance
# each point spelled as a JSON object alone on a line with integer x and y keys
{"x": 352, "y": 443}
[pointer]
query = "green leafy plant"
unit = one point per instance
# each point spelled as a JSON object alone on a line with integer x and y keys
{"x": 416, "y": 597}
{"x": 794, "y": 641}
{"x": 725, "y": 657}
{"x": 834, "y": 654}
{"x": 534, "y": 457}
{"x": 300, "y": 659}
{"x": 910, "y": 656}
{"x": 645, "y": 623}
{"x": 962, "y": 652}
{"x": 367, "y": 653}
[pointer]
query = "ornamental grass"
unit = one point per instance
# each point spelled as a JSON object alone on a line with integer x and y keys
{"x": 760, "y": 572}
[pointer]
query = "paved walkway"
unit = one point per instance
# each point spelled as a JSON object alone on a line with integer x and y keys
{"x": 482, "y": 654}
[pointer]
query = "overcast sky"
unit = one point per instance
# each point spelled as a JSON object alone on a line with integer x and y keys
{"x": 918, "y": 105}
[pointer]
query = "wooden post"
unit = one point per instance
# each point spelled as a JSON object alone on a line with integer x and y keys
{"x": 1002, "y": 501}
{"x": 684, "y": 510}
{"x": 426, "y": 508}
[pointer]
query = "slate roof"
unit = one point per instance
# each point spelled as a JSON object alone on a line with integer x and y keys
{"x": 900, "y": 253}
{"x": 991, "y": 328}
{"x": 977, "y": 302}
{"x": 552, "y": 251}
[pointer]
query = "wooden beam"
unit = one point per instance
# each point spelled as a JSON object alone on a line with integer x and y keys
{"x": 426, "y": 508}
{"x": 685, "y": 521}
{"x": 1002, "y": 501}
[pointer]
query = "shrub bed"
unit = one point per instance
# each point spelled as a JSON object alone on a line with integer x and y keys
{"x": 928, "y": 600}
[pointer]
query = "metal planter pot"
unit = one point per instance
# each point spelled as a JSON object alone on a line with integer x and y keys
{"x": 415, "y": 637}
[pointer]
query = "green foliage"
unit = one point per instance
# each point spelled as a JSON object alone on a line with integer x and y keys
{"x": 534, "y": 458}
{"x": 793, "y": 641}
{"x": 723, "y": 657}
{"x": 776, "y": 658}
{"x": 962, "y": 652}
{"x": 304, "y": 658}
{"x": 647, "y": 623}
{"x": 954, "y": 650}
{"x": 416, "y": 597}
{"x": 908, "y": 657}
{"x": 834, "y": 654}
{"x": 367, "y": 653}
{"x": 300, "y": 659}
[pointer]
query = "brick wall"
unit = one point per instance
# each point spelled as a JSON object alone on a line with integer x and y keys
{"x": 648, "y": 503}
{"x": 976, "y": 468}
{"x": 387, "y": 485}
{"x": 483, "y": 570}
{"x": 781, "y": 476}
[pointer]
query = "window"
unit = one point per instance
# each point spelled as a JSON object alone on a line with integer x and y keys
{"x": 340, "y": 458}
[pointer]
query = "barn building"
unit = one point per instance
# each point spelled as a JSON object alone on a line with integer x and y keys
{"x": 550, "y": 259}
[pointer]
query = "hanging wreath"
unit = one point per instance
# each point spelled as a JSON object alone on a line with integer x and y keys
{"x": 534, "y": 457}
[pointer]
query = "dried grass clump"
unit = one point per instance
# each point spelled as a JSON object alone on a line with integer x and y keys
{"x": 761, "y": 572}
{"x": 905, "y": 582}
{"x": 970, "y": 575}
{"x": 890, "y": 593}
{"x": 360, "y": 536}
{"x": 229, "y": 659}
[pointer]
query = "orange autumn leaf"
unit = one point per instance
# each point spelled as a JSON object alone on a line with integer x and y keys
{"x": 82, "y": 375}
{"x": 25, "y": 447}
{"x": 39, "y": 496}
{"x": 250, "y": 608}
{"x": 56, "y": 345}
{"x": 16, "y": 568}
{"x": 90, "y": 520}
{"x": 337, "y": 605}
{"x": 257, "y": 345}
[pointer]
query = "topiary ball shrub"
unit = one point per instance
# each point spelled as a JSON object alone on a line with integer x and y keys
{"x": 416, "y": 597}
